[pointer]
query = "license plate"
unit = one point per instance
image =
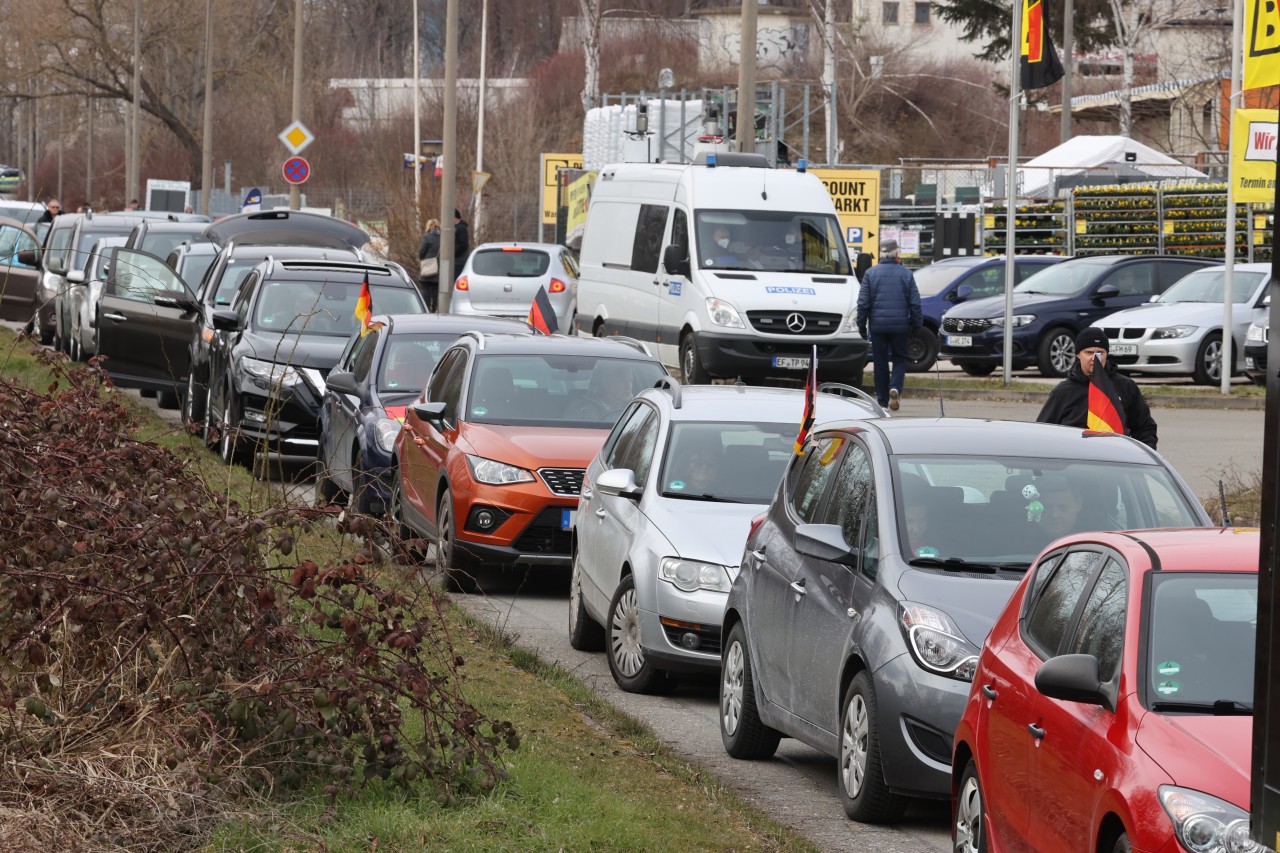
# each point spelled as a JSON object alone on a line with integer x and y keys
{"x": 959, "y": 341}
{"x": 790, "y": 363}
{"x": 566, "y": 518}
{"x": 1123, "y": 349}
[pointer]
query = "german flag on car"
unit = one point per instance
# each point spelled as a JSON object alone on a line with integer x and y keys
{"x": 364, "y": 307}
{"x": 541, "y": 315}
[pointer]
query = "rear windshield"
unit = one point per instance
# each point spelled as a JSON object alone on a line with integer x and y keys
{"x": 327, "y": 307}
{"x": 513, "y": 263}
{"x": 194, "y": 266}
{"x": 726, "y": 462}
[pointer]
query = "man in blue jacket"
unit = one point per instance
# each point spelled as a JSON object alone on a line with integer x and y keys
{"x": 889, "y": 307}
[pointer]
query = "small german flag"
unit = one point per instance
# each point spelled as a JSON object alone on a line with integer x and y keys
{"x": 1104, "y": 414}
{"x": 541, "y": 315}
{"x": 364, "y": 307}
{"x": 810, "y": 390}
{"x": 1039, "y": 65}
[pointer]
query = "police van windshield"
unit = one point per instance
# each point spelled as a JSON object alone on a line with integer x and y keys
{"x": 771, "y": 240}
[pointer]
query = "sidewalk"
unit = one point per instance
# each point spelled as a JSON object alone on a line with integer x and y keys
{"x": 1158, "y": 395}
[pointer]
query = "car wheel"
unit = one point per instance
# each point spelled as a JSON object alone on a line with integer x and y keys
{"x": 457, "y": 569}
{"x": 46, "y": 335}
{"x": 691, "y": 370}
{"x": 232, "y": 445}
{"x": 1208, "y": 367}
{"x": 1122, "y": 844}
{"x": 406, "y": 534}
{"x": 743, "y": 733}
{"x": 631, "y": 670}
{"x": 190, "y": 413}
{"x": 364, "y": 498}
{"x": 968, "y": 832}
{"x": 167, "y": 399}
{"x": 598, "y": 329}
{"x": 975, "y": 368}
{"x": 585, "y": 634}
{"x": 1056, "y": 353}
{"x": 922, "y": 350}
{"x": 327, "y": 491}
{"x": 210, "y": 430}
{"x": 865, "y": 796}
{"x": 1259, "y": 379}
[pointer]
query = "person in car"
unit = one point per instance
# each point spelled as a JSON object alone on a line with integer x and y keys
{"x": 607, "y": 393}
{"x": 695, "y": 465}
{"x": 1068, "y": 403}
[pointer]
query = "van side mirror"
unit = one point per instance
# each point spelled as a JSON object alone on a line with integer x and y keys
{"x": 676, "y": 261}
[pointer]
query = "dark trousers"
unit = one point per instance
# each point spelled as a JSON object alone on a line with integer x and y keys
{"x": 430, "y": 292}
{"x": 888, "y": 347}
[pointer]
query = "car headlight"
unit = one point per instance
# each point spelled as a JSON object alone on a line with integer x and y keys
{"x": 692, "y": 575}
{"x": 723, "y": 314}
{"x": 1254, "y": 334}
{"x": 1173, "y": 332}
{"x": 1015, "y": 321}
{"x": 386, "y": 431}
{"x": 274, "y": 374}
{"x": 1207, "y": 824}
{"x": 850, "y": 323}
{"x": 936, "y": 643}
{"x": 495, "y": 473}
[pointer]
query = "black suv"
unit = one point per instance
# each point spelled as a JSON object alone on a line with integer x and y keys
{"x": 1050, "y": 307}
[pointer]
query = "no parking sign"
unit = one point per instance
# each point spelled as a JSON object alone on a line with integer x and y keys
{"x": 296, "y": 170}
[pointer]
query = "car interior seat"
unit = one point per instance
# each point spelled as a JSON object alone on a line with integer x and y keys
{"x": 495, "y": 391}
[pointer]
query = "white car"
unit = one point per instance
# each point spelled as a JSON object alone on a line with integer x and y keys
{"x": 664, "y": 514}
{"x": 83, "y": 294}
{"x": 502, "y": 279}
{"x": 1180, "y": 331}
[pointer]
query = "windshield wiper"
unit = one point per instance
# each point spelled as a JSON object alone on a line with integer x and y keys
{"x": 1219, "y": 707}
{"x": 953, "y": 564}
{"x": 705, "y": 496}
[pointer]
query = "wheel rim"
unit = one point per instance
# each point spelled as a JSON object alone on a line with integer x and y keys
{"x": 969, "y": 817}
{"x": 1061, "y": 353}
{"x": 624, "y": 636}
{"x": 916, "y": 349}
{"x": 853, "y": 746}
{"x": 575, "y": 594}
{"x": 732, "y": 686}
{"x": 228, "y": 439}
{"x": 444, "y": 547}
{"x": 686, "y": 363}
{"x": 1213, "y": 360}
{"x": 208, "y": 416}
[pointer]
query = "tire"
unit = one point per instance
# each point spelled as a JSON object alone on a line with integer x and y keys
{"x": 1056, "y": 352}
{"x": 1208, "y": 366}
{"x": 149, "y": 393}
{"x": 1259, "y": 380}
{"x": 209, "y": 429}
{"x": 922, "y": 350}
{"x": 585, "y": 634}
{"x": 327, "y": 491}
{"x": 45, "y": 335}
{"x": 232, "y": 447}
{"x": 1122, "y": 844}
{"x": 458, "y": 571}
{"x": 190, "y": 414}
{"x": 975, "y": 368}
{"x": 168, "y": 399}
{"x": 631, "y": 670}
{"x": 970, "y": 834}
{"x": 364, "y": 499}
{"x": 865, "y": 796}
{"x": 406, "y": 534}
{"x": 742, "y": 732}
{"x": 691, "y": 370}
{"x": 598, "y": 329}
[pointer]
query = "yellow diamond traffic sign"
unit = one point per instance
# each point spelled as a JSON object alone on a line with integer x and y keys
{"x": 296, "y": 137}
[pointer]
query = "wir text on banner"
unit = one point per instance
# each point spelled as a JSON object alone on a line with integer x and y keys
{"x": 1253, "y": 156}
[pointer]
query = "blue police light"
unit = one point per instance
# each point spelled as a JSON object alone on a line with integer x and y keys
{"x": 802, "y": 164}
{"x": 711, "y": 161}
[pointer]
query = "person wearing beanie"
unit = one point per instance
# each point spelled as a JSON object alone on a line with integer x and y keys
{"x": 889, "y": 310}
{"x": 1068, "y": 404}
{"x": 461, "y": 241}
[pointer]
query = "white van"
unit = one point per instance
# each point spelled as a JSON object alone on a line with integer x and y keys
{"x": 732, "y": 268}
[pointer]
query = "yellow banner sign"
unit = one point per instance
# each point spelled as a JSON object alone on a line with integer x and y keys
{"x": 856, "y": 193}
{"x": 1253, "y": 156}
{"x": 579, "y": 196}
{"x": 550, "y": 163}
{"x": 1261, "y": 44}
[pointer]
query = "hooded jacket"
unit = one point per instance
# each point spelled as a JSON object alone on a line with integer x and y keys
{"x": 1068, "y": 404}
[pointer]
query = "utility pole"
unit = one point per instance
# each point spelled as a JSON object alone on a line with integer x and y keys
{"x": 449, "y": 151}
{"x": 1068, "y": 67}
{"x": 62, "y": 134}
{"x": 135, "y": 153}
{"x": 417, "y": 123}
{"x": 206, "y": 144}
{"x": 33, "y": 105}
{"x": 88, "y": 158}
{"x": 747, "y": 78}
{"x": 829, "y": 75}
{"x": 484, "y": 49}
{"x": 295, "y": 195}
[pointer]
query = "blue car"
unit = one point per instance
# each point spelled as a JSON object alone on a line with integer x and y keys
{"x": 377, "y": 376}
{"x": 942, "y": 285}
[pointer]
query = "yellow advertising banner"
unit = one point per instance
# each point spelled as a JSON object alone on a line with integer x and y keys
{"x": 578, "y": 194}
{"x": 551, "y": 162}
{"x": 856, "y": 193}
{"x": 1253, "y": 156}
{"x": 1261, "y": 44}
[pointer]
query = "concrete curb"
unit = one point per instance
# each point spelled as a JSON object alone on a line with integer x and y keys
{"x": 1156, "y": 401}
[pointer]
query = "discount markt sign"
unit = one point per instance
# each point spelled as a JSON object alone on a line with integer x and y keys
{"x": 856, "y": 195}
{"x": 1253, "y": 156}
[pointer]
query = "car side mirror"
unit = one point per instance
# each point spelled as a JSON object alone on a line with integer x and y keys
{"x": 432, "y": 413}
{"x": 1107, "y": 291}
{"x": 619, "y": 482}
{"x": 29, "y": 257}
{"x": 55, "y": 266}
{"x": 825, "y": 542}
{"x": 226, "y": 320}
{"x": 75, "y": 277}
{"x": 1074, "y": 678}
{"x": 675, "y": 260}
{"x": 963, "y": 292}
{"x": 344, "y": 382}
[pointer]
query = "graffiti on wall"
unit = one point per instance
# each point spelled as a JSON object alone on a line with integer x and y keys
{"x": 775, "y": 47}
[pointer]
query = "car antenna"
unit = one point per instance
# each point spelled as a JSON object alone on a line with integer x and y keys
{"x": 1222, "y": 496}
{"x": 942, "y": 408}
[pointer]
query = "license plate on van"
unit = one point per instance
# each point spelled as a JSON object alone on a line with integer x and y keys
{"x": 959, "y": 341}
{"x": 566, "y": 518}
{"x": 791, "y": 362}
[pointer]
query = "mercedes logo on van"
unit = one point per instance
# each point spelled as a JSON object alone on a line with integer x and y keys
{"x": 795, "y": 322}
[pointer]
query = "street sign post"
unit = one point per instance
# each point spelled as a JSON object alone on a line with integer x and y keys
{"x": 478, "y": 180}
{"x": 296, "y": 170}
{"x": 296, "y": 138}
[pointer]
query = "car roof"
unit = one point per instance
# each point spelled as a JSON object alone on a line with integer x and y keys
{"x": 1263, "y": 268}
{"x": 565, "y": 345}
{"x": 1188, "y": 549}
{"x": 286, "y": 227}
{"x": 515, "y": 244}
{"x": 165, "y": 226}
{"x": 734, "y": 403}
{"x": 196, "y": 247}
{"x": 449, "y": 324}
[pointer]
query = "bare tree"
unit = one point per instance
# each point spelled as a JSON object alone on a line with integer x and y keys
{"x": 1135, "y": 22}
{"x": 591, "y": 50}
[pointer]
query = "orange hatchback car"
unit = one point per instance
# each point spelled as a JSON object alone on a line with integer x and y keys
{"x": 491, "y": 459}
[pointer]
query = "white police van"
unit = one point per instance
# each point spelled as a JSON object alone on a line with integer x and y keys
{"x": 732, "y": 268}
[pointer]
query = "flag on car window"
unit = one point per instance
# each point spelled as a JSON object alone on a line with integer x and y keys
{"x": 1039, "y": 64}
{"x": 364, "y": 307}
{"x": 541, "y": 315}
{"x": 1104, "y": 414}
{"x": 810, "y": 390}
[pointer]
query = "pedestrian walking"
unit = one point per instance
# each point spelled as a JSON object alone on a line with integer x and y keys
{"x": 1107, "y": 401}
{"x": 888, "y": 312}
{"x": 461, "y": 241}
{"x": 429, "y": 264}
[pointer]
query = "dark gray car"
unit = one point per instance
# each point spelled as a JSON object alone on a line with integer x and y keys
{"x": 890, "y": 548}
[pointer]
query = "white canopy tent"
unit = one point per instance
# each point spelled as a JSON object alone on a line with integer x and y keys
{"x": 1105, "y": 155}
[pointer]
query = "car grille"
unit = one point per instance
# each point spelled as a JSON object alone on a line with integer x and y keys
{"x": 563, "y": 481}
{"x": 544, "y": 534}
{"x": 790, "y": 322}
{"x": 1118, "y": 334}
{"x": 965, "y": 324}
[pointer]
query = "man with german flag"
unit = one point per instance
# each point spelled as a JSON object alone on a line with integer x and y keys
{"x": 1095, "y": 396}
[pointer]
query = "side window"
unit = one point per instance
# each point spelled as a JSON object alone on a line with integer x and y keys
{"x": 606, "y": 451}
{"x": 625, "y": 452}
{"x": 1050, "y": 614}
{"x": 570, "y": 263}
{"x": 139, "y": 277}
{"x": 987, "y": 282}
{"x": 638, "y": 454}
{"x": 346, "y": 359}
{"x": 680, "y": 232}
{"x": 362, "y": 355}
{"x": 446, "y": 382}
{"x": 871, "y": 538}
{"x": 849, "y": 493}
{"x": 12, "y": 241}
{"x": 648, "y": 243}
{"x": 244, "y": 298}
{"x": 1133, "y": 279}
{"x": 1101, "y": 629}
{"x": 1022, "y": 272}
{"x": 810, "y": 475}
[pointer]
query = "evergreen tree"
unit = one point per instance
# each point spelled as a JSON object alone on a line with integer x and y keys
{"x": 987, "y": 23}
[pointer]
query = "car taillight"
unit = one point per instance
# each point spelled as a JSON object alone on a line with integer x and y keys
{"x": 461, "y": 283}
{"x": 512, "y": 249}
{"x": 755, "y": 525}
{"x": 557, "y": 286}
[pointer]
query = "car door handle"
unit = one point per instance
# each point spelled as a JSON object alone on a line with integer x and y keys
{"x": 1036, "y": 731}
{"x": 798, "y": 587}
{"x": 758, "y": 554}
{"x": 600, "y": 513}
{"x": 419, "y": 440}
{"x": 990, "y": 692}
{"x": 586, "y": 494}
{"x": 657, "y": 283}
{"x": 119, "y": 318}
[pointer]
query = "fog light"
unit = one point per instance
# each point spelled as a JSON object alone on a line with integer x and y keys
{"x": 255, "y": 416}
{"x": 485, "y": 519}
{"x": 690, "y": 640}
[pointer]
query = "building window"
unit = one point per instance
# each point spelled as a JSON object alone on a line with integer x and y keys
{"x": 922, "y": 13}
{"x": 891, "y": 14}
{"x": 1206, "y": 117}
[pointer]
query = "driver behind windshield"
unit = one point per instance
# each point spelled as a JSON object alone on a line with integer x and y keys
{"x": 609, "y": 390}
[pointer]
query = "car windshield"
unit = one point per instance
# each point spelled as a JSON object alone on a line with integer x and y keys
{"x": 556, "y": 390}
{"x": 771, "y": 240}
{"x": 935, "y": 278}
{"x": 1200, "y": 644}
{"x": 726, "y": 461}
{"x": 162, "y": 243}
{"x": 1210, "y": 286}
{"x": 408, "y": 359}
{"x": 1065, "y": 279}
{"x": 327, "y": 307}
{"x": 994, "y": 509}
{"x": 510, "y": 263}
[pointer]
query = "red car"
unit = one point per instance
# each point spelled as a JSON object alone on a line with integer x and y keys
{"x": 1112, "y": 705}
